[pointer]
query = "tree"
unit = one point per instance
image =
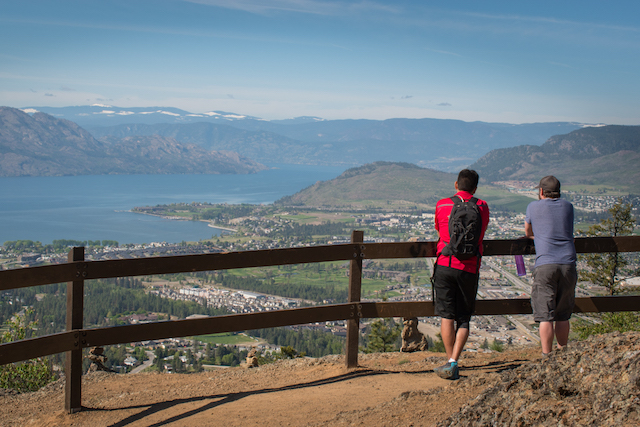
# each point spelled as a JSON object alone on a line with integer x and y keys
{"x": 497, "y": 345}
{"x": 30, "y": 375}
{"x": 605, "y": 268}
{"x": 383, "y": 336}
{"x": 622, "y": 321}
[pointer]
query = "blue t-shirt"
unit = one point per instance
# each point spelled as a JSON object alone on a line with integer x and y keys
{"x": 552, "y": 224}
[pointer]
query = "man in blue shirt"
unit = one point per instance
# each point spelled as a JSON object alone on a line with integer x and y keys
{"x": 549, "y": 222}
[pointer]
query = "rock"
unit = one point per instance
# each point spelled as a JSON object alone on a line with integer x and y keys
{"x": 412, "y": 338}
{"x": 97, "y": 357}
{"x": 595, "y": 382}
{"x": 252, "y": 359}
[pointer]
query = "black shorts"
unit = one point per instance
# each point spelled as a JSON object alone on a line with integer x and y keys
{"x": 455, "y": 294}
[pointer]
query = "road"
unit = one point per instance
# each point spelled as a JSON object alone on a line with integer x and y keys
{"x": 510, "y": 276}
{"x": 151, "y": 357}
{"x": 524, "y": 287}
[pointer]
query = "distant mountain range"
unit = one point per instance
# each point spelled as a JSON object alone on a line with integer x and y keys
{"x": 440, "y": 144}
{"x": 169, "y": 140}
{"x": 42, "y": 145}
{"x": 607, "y": 155}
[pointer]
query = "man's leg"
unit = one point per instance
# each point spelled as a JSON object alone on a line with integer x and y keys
{"x": 562, "y": 332}
{"x": 546, "y": 336}
{"x": 454, "y": 341}
{"x": 448, "y": 334}
{"x": 451, "y": 344}
{"x": 461, "y": 339}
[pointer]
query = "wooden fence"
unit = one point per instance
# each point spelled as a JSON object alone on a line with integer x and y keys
{"x": 77, "y": 270}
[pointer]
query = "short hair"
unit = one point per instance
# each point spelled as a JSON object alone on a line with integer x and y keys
{"x": 468, "y": 180}
{"x": 551, "y": 194}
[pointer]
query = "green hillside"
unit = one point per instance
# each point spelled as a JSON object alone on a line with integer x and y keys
{"x": 388, "y": 185}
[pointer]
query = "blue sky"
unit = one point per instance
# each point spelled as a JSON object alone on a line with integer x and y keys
{"x": 495, "y": 61}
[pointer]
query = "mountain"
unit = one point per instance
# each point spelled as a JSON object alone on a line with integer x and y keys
{"x": 267, "y": 146}
{"x": 42, "y": 145}
{"x": 376, "y": 184}
{"x": 606, "y": 155}
{"x": 108, "y": 115}
{"x": 392, "y": 185}
{"x": 447, "y": 145}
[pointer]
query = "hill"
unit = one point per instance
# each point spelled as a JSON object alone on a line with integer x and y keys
{"x": 268, "y": 147}
{"x": 42, "y": 145}
{"x": 607, "y": 155}
{"x": 376, "y": 184}
{"x": 390, "y": 185}
{"x": 593, "y": 382}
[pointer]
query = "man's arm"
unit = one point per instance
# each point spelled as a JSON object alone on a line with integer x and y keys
{"x": 528, "y": 230}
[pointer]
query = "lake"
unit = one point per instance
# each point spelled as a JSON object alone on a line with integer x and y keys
{"x": 96, "y": 207}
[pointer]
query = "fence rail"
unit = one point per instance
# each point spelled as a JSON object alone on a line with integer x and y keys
{"x": 77, "y": 270}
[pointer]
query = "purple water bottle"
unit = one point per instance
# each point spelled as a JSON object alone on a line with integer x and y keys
{"x": 520, "y": 268}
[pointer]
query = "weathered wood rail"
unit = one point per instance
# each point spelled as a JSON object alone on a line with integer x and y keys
{"x": 77, "y": 270}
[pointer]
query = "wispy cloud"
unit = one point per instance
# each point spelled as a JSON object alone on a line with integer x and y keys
{"x": 554, "y": 21}
{"x": 67, "y": 89}
{"x": 205, "y": 33}
{"x": 444, "y": 104}
{"x": 315, "y": 7}
{"x": 444, "y": 52}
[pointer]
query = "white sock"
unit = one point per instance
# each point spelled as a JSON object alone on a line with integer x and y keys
{"x": 453, "y": 360}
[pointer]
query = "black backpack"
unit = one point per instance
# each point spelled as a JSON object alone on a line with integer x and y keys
{"x": 465, "y": 227}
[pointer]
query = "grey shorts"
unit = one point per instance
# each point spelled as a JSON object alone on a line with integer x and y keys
{"x": 554, "y": 292}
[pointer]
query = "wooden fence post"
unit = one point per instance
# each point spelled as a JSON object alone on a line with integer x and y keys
{"x": 75, "y": 311}
{"x": 355, "y": 282}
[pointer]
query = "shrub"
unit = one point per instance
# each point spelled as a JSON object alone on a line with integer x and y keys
{"x": 30, "y": 375}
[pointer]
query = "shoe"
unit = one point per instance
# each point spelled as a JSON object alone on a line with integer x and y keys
{"x": 449, "y": 371}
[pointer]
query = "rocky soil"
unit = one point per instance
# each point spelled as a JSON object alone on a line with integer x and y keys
{"x": 592, "y": 383}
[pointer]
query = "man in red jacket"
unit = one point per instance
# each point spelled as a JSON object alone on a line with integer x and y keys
{"x": 455, "y": 281}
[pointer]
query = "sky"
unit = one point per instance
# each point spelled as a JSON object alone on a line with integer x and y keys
{"x": 494, "y": 61}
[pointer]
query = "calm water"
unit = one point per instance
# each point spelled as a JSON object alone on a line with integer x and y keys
{"x": 95, "y": 207}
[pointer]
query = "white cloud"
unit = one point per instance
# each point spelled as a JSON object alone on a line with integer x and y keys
{"x": 314, "y": 7}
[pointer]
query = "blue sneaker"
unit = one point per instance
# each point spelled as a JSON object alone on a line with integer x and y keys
{"x": 449, "y": 371}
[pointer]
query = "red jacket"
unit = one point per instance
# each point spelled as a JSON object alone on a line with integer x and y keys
{"x": 443, "y": 210}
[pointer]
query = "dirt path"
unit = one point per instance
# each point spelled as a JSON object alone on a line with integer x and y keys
{"x": 387, "y": 389}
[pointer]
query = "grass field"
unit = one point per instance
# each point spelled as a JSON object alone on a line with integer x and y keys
{"x": 323, "y": 274}
{"x": 226, "y": 338}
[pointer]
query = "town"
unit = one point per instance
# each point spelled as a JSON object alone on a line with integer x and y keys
{"x": 268, "y": 228}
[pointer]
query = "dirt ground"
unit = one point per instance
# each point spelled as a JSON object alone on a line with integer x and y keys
{"x": 387, "y": 389}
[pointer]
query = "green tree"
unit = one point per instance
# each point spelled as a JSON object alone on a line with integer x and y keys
{"x": 605, "y": 268}
{"x": 622, "y": 321}
{"x": 485, "y": 344}
{"x": 383, "y": 336}
{"x": 497, "y": 345}
{"x": 436, "y": 346}
{"x": 30, "y": 375}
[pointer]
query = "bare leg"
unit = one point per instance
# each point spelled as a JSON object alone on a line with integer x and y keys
{"x": 448, "y": 333}
{"x": 546, "y": 336}
{"x": 453, "y": 341}
{"x": 461, "y": 340}
{"x": 562, "y": 332}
